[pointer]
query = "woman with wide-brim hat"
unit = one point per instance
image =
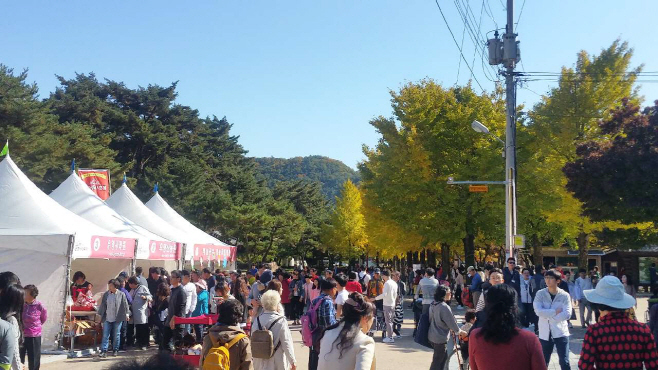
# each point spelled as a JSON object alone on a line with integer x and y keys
{"x": 616, "y": 341}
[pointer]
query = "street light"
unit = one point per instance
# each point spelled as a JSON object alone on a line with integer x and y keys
{"x": 510, "y": 191}
{"x": 479, "y": 127}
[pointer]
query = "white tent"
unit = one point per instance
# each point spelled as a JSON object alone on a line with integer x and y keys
{"x": 195, "y": 236}
{"x": 38, "y": 237}
{"x": 126, "y": 203}
{"x": 77, "y": 197}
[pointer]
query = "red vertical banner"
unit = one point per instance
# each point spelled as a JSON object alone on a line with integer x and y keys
{"x": 97, "y": 180}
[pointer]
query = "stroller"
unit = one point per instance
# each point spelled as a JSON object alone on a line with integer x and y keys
{"x": 379, "y": 323}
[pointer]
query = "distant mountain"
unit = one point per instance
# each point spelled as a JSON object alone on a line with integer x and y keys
{"x": 330, "y": 172}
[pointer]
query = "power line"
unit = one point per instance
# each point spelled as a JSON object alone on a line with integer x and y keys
{"x": 459, "y": 66}
{"x": 478, "y": 39}
{"x": 490, "y": 14}
{"x": 642, "y": 73}
{"x": 532, "y": 91}
{"x": 457, "y": 44}
{"x": 578, "y": 81}
{"x": 520, "y": 13}
{"x": 479, "y": 27}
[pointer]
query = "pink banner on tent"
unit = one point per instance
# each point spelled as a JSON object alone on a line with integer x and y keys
{"x": 162, "y": 250}
{"x": 210, "y": 252}
{"x": 109, "y": 247}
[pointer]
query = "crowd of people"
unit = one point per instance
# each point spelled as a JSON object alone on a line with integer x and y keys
{"x": 510, "y": 300}
{"x": 340, "y": 310}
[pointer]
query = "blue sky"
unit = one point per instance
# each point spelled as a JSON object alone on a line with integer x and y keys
{"x": 303, "y": 77}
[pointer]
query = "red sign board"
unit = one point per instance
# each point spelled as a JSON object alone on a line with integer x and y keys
{"x": 112, "y": 248}
{"x": 97, "y": 180}
{"x": 210, "y": 252}
{"x": 161, "y": 250}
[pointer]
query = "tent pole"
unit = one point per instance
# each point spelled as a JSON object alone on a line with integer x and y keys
{"x": 133, "y": 263}
{"x": 67, "y": 291}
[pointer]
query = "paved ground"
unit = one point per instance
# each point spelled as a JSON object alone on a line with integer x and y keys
{"x": 404, "y": 353}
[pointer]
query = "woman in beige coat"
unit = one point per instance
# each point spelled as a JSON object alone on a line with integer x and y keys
{"x": 284, "y": 356}
{"x": 345, "y": 345}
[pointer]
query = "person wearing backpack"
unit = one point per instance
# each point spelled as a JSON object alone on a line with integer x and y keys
{"x": 226, "y": 343}
{"x": 271, "y": 340}
{"x": 325, "y": 316}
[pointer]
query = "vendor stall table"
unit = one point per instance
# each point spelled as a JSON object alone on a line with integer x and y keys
{"x": 209, "y": 320}
{"x": 73, "y": 331}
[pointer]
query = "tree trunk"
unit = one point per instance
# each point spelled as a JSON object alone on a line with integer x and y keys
{"x": 469, "y": 249}
{"x": 410, "y": 259}
{"x": 422, "y": 257}
{"x": 431, "y": 258}
{"x": 583, "y": 249}
{"x": 445, "y": 257}
{"x": 537, "y": 251}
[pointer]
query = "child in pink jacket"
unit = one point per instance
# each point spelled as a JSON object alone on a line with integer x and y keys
{"x": 34, "y": 315}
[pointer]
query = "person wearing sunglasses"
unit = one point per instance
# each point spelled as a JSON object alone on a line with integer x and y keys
{"x": 512, "y": 276}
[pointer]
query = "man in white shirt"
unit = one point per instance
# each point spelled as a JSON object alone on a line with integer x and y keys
{"x": 342, "y": 295}
{"x": 366, "y": 279}
{"x": 583, "y": 283}
{"x": 190, "y": 295}
{"x": 389, "y": 296}
{"x": 553, "y": 307}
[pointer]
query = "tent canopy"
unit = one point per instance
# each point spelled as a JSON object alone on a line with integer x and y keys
{"x": 195, "y": 236}
{"x": 126, "y": 203}
{"x": 75, "y": 195}
{"x": 26, "y": 210}
{"x": 35, "y": 237}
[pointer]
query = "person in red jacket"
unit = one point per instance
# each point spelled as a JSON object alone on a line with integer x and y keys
{"x": 353, "y": 284}
{"x": 499, "y": 343}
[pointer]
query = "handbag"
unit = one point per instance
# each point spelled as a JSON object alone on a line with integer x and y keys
{"x": 422, "y": 332}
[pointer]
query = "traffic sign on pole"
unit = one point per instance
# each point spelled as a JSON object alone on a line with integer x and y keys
{"x": 478, "y": 188}
{"x": 519, "y": 241}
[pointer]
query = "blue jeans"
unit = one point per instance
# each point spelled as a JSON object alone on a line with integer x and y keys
{"x": 115, "y": 329}
{"x": 562, "y": 345}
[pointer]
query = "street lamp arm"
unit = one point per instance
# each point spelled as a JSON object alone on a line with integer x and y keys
{"x": 497, "y": 138}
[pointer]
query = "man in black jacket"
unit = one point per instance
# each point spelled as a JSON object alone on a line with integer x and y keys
{"x": 512, "y": 277}
{"x": 153, "y": 281}
{"x": 177, "y": 301}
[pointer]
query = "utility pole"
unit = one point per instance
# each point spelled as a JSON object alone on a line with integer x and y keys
{"x": 510, "y": 58}
{"x": 506, "y": 52}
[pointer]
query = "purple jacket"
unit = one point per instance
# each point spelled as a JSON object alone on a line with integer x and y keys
{"x": 34, "y": 315}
